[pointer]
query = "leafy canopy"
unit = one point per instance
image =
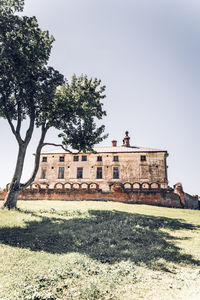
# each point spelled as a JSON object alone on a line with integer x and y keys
{"x": 29, "y": 88}
{"x": 26, "y": 82}
{"x": 11, "y": 6}
{"x": 82, "y": 97}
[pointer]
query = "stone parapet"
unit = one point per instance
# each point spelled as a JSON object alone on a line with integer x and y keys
{"x": 159, "y": 198}
{"x": 145, "y": 193}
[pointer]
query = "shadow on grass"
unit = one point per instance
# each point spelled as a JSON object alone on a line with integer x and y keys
{"x": 107, "y": 236}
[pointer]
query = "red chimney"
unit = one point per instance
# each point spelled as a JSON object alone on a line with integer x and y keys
{"x": 126, "y": 140}
{"x": 114, "y": 143}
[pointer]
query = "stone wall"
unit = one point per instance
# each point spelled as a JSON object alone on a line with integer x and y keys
{"x": 191, "y": 202}
{"x": 187, "y": 201}
{"x": 127, "y": 193}
{"x": 143, "y": 193}
{"x": 129, "y": 164}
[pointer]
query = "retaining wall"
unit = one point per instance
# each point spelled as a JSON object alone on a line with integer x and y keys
{"x": 157, "y": 197}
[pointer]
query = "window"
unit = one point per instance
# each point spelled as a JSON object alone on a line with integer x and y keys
{"x": 99, "y": 172}
{"x": 61, "y": 172}
{"x": 84, "y": 157}
{"x": 61, "y": 158}
{"x": 44, "y": 159}
{"x": 99, "y": 158}
{"x": 143, "y": 158}
{"x": 43, "y": 173}
{"x": 79, "y": 173}
{"x": 76, "y": 158}
{"x": 115, "y": 172}
{"x": 116, "y": 158}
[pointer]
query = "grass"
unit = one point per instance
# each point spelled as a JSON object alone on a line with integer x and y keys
{"x": 99, "y": 250}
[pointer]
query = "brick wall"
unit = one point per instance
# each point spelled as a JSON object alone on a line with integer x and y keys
{"x": 158, "y": 197}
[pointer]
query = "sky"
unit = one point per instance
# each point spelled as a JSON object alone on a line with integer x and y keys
{"x": 147, "y": 53}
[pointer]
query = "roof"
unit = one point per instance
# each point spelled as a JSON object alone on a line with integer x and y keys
{"x": 118, "y": 149}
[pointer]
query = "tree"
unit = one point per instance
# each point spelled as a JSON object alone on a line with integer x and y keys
{"x": 31, "y": 90}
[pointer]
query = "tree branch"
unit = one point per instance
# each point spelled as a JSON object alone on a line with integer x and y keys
{"x": 41, "y": 144}
{"x": 29, "y": 131}
{"x": 58, "y": 145}
{"x": 16, "y": 134}
{"x": 37, "y": 158}
{"x": 19, "y": 119}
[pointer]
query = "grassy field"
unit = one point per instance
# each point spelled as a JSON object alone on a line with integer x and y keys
{"x": 99, "y": 250}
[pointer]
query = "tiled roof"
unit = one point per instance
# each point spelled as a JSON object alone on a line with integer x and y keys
{"x": 118, "y": 149}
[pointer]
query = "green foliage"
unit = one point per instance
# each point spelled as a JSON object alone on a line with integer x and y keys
{"x": 25, "y": 80}
{"x": 29, "y": 88}
{"x": 78, "y": 104}
{"x": 11, "y": 6}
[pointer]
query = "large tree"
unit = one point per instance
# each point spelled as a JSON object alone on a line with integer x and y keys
{"x": 33, "y": 93}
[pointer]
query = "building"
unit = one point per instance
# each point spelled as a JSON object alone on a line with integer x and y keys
{"x": 106, "y": 166}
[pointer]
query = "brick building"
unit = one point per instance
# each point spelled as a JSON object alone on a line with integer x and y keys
{"x": 108, "y": 165}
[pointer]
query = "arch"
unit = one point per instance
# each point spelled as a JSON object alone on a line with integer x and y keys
{"x": 68, "y": 185}
{"x": 76, "y": 185}
{"x": 84, "y": 185}
{"x": 136, "y": 185}
{"x": 128, "y": 186}
{"x": 93, "y": 185}
{"x": 35, "y": 186}
{"x": 155, "y": 185}
{"x": 44, "y": 186}
{"x": 145, "y": 186}
{"x": 57, "y": 186}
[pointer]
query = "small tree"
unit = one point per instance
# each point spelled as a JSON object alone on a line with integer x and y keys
{"x": 30, "y": 89}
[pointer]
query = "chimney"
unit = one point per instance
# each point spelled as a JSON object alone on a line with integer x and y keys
{"x": 126, "y": 140}
{"x": 114, "y": 143}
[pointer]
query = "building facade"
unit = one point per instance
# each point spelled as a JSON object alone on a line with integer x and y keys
{"x": 107, "y": 165}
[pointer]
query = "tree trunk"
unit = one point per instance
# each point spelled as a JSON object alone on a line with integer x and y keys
{"x": 15, "y": 186}
{"x": 11, "y": 199}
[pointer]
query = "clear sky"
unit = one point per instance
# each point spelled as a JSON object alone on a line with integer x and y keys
{"x": 147, "y": 53}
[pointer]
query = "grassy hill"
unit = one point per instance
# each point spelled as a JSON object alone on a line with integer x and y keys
{"x": 99, "y": 250}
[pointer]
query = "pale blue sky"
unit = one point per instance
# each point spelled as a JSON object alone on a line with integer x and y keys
{"x": 147, "y": 53}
